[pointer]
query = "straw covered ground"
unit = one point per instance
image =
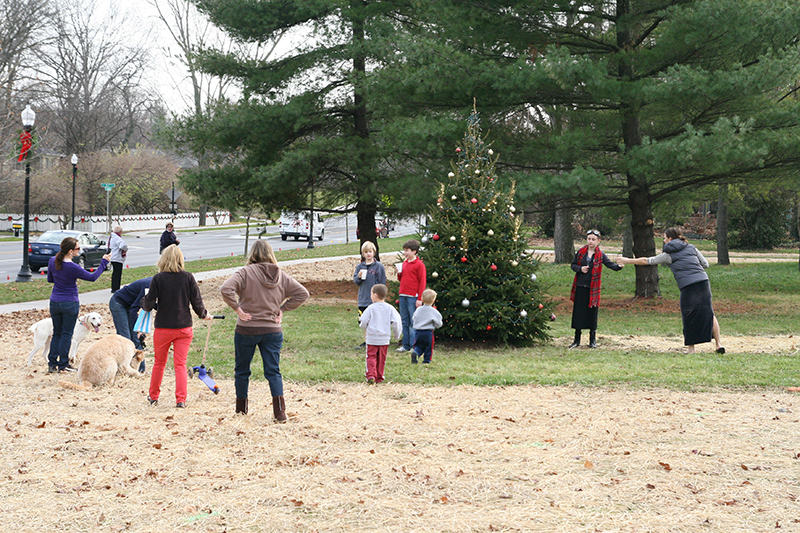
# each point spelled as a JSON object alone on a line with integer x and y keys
{"x": 390, "y": 457}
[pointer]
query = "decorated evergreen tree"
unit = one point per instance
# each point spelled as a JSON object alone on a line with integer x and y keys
{"x": 476, "y": 256}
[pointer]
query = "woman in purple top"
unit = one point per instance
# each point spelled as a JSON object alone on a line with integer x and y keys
{"x": 64, "y": 302}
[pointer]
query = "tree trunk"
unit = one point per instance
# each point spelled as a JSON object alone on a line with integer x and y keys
{"x": 365, "y": 222}
{"x": 563, "y": 239}
{"x": 639, "y": 199}
{"x": 627, "y": 238}
{"x": 722, "y": 226}
{"x": 643, "y": 243}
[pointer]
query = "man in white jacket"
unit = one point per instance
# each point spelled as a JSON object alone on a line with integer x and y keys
{"x": 118, "y": 250}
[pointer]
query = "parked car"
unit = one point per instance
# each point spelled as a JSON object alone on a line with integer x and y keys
{"x": 49, "y": 243}
{"x": 296, "y": 225}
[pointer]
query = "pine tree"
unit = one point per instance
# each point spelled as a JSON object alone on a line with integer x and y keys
{"x": 476, "y": 255}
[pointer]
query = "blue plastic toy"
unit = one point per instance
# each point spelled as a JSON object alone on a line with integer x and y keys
{"x": 206, "y": 375}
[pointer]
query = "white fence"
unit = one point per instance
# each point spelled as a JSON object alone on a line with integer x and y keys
{"x": 100, "y": 225}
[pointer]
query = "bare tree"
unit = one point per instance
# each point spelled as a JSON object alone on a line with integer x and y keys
{"x": 192, "y": 31}
{"x": 91, "y": 78}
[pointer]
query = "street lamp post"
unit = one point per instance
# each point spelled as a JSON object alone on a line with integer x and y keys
{"x": 74, "y": 178}
{"x": 311, "y": 225}
{"x": 28, "y": 118}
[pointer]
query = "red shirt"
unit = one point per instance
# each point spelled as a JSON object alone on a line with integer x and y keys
{"x": 412, "y": 278}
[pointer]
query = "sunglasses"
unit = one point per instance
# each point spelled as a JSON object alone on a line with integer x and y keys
{"x": 593, "y": 232}
{"x": 77, "y": 248}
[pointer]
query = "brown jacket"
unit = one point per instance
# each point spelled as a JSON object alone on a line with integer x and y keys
{"x": 264, "y": 291}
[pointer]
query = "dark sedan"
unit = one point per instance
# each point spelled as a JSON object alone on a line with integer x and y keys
{"x": 48, "y": 245}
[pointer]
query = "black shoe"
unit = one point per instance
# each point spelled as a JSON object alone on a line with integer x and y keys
{"x": 68, "y": 368}
{"x": 413, "y": 357}
{"x": 593, "y": 344}
{"x": 180, "y": 405}
{"x": 720, "y": 350}
{"x": 52, "y": 369}
{"x": 574, "y": 345}
{"x": 361, "y": 346}
{"x": 152, "y": 402}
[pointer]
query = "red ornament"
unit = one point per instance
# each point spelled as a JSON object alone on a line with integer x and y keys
{"x": 458, "y": 150}
{"x": 396, "y": 302}
{"x": 541, "y": 306}
{"x": 494, "y": 267}
{"x": 435, "y": 236}
{"x": 463, "y": 259}
{"x": 9, "y": 219}
{"x": 488, "y": 328}
{"x": 552, "y": 317}
{"x": 474, "y": 200}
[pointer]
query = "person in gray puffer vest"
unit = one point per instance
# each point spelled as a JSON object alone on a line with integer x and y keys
{"x": 688, "y": 266}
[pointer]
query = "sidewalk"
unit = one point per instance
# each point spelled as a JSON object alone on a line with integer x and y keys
{"x": 103, "y": 296}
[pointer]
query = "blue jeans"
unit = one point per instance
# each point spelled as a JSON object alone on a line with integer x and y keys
{"x": 408, "y": 304}
{"x": 64, "y": 315}
{"x": 423, "y": 345}
{"x": 269, "y": 345}
{"x": 124, "y": 320}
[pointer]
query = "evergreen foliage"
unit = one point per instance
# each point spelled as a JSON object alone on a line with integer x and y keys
{"x": 476, "y": 254}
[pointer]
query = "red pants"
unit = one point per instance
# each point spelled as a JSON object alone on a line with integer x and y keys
{"x": 180, "y": 340}
{"x": 376, "y": 361}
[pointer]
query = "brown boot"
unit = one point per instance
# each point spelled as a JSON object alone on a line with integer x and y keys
{"x": 241, "y": 405}
{"x": 279, "y": 409}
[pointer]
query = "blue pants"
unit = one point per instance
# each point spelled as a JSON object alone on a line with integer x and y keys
{"x": 270, "y": 347}
{"x": 424, "y": 344}
{"x": 408, "y": 304}
{"x": 64, "y": 315}
{"x": 124, "y": 320}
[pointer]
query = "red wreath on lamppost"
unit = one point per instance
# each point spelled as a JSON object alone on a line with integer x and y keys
{"x": 26, "y": 140}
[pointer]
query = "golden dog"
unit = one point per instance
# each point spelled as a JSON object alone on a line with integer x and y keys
{"x": 103, "y": 360}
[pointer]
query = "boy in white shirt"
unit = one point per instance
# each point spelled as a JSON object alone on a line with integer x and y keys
{"x": 379, "y": 321}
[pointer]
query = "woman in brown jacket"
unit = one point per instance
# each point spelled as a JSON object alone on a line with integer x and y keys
{"x": 260, "y": 293}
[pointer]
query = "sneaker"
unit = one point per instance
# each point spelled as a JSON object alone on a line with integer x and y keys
{"x": 361, "y": 346}
{"x": 370, "y": 381}
{"x": 52, "y": 369}
{"x": 152, "y": 402}
{"x": 180, "y": 405}
{"x": 68, "y": 368}
{"x": 402, "y": 350}
{"x": 413, "y": 357}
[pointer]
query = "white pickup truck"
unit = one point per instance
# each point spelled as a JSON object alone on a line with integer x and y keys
{"x": 296, "y": 225}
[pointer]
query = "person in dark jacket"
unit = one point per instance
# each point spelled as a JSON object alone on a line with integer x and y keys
{"x": 585, "y": 295}
{"x": 174, "y": 290}
{"x": 688, "y": 266}
{"x": 124, "y": 306}
{"x": 168, "y": 238}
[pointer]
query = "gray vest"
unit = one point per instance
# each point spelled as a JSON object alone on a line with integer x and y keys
{"x": 685, "y": 265}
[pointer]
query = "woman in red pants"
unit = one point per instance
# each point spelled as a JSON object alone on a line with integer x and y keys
{"x": 173, "y": 290}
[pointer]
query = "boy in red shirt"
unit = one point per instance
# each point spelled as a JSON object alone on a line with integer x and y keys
{"x": 412, "y": 277}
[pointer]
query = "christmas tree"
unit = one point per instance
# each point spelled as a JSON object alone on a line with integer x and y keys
{"x": 476, "y": 255}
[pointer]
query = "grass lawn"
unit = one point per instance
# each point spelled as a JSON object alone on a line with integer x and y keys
{"x": 751, "y": 300}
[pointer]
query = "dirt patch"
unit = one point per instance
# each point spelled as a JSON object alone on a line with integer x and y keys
{"x": 390, "y": 457}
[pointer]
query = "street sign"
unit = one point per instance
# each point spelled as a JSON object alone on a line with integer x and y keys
{"x": 173, "y": 194}
{"x": 108, "y": 186}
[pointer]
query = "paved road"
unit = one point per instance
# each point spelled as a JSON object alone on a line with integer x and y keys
{"x": 205, "y": 244}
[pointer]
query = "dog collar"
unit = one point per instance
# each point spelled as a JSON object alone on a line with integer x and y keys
{"x": 84, "y": 324}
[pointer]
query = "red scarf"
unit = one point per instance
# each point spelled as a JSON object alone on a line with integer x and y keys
{"x": 597, "y": 271}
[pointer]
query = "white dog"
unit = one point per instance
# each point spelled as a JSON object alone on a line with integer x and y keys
{"x": 43, "y": 333}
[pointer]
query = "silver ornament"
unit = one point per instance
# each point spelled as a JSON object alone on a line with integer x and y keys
{"x": 523, "y": 313}
{"x": 464, "y": 303}
{"x": 453, "y": 238}
{"x": 533, "y": 277}
{"x": 490, "y": 233}
{"x": 435, "y": 275}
